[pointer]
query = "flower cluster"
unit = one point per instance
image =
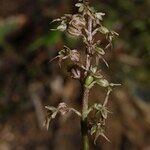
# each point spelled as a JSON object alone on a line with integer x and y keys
{"x": 66, "y": 52}
{"x": 86, "y": 24}
{"x": 62, "y": 108}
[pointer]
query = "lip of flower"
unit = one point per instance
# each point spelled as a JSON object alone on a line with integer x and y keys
{"x": 76, "y": 74}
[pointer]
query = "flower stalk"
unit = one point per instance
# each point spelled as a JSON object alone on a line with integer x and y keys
{"x": 84, "y": 121}
{"x": 85, "y": 101}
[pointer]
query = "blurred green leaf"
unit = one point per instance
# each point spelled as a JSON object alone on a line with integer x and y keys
{"x": 47, "y": 40}
{"x": 10, "y": 25}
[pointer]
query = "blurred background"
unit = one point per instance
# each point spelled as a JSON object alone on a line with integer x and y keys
{"x": 28, "y": 81}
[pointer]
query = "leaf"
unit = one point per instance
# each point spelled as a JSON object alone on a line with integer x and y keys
{"x": 103, "y": 135}
{"x": 93, "y": 69}
{"x": 102, "y": 82}
{"x": 47, "y": 122}
{"x": 10, "y": 25}
{"x": 115, "y": 84}
{"x": 88, "y": 111}
{"x": 49, "y": 39}
{"x": 62, "y": 27}
{"x": 100, "y": 50}
{"x": 104, "y": 113}
{"x": 100, "y": 132}
{"x": 93, "y": 130}
{"x": 76, "y": 112}
{"x": 50, "y": 116}
{"x": 81, "y": 6}
{"x": 114, "y": 33}
{"x": 54, "y": 114}
{"x": 97, "y": 106}
{"x": 51, "y": 108}
{"x": 103, "y": 30}
{"x": 96, "y": 136}
{"x": 97, "y": 76}
{"x": 107, "y": 46}
{"x": 56, "y": 20}
{"x": 99, "y": 15}
{"x": 105, "y": 62}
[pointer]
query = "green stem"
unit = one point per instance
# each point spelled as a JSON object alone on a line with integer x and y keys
{"x": 84, "y": 123}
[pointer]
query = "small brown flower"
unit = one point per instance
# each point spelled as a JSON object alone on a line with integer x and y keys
{"x": 76, "y": 25}
{"x": 74, "y": 55}
{"x": 67, "y": 53}
{"x": 78, "y": 21}
{"x": 63, "y": 108}
{"x": 74, "y": 31}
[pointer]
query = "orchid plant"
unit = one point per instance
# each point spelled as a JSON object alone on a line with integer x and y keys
{"x": 86, "y": 25}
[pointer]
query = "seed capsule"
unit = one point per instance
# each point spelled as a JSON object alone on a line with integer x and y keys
{"x": 89, "y": 80}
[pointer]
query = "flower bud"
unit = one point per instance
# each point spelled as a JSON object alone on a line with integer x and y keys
{"x": 89, "y": 80}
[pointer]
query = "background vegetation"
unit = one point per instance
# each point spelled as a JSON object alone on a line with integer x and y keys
{"x": 28, "y": 81}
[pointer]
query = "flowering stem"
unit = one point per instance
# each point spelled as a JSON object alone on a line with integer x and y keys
{"x": 84, "y": 122}
{"x": 86, "y": 24}
{"x": 84, "y": 125}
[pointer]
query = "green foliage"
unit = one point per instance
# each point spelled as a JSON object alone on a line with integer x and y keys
{"x": 10, "y": 25}
{"x": 46, "y": 40}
